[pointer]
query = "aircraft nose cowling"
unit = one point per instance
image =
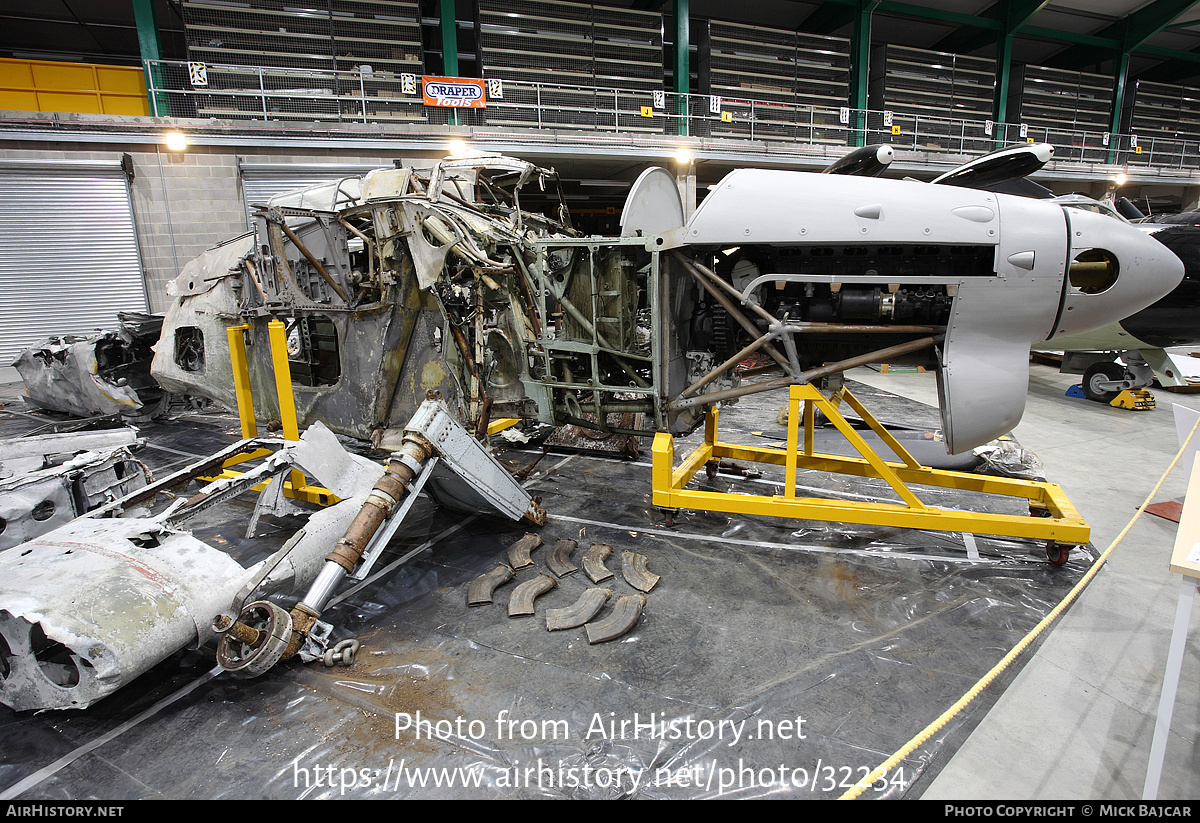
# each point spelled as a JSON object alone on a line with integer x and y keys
{"x": 1114, "y": 270}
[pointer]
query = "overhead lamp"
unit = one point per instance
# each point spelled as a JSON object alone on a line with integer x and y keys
{"x": 1120, "y": 179}
{"x": 458, "y": 148}
{"x": 683, "y": 155}
{"x": 176, "y": 141}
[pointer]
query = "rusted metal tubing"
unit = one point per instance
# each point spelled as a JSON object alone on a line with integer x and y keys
{"x": 316, "y": 264}
{"x": 520, "y": 604}
{"x": 593, "y": 562}
{"x": 621, "y": 619}
{"x": 518, "y": 553}
{"x": 479, "y": 593}
{"x": 880, "y": 356}
{"x": 558, "y": 559}
{"x": 584, "y": 609}
{"x": 633, "y": 569}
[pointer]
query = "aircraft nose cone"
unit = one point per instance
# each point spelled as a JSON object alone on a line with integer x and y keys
{"x": 1114, "y": 270}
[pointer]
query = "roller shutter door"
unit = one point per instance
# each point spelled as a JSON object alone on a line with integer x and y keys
{"x": 68, "y": 252}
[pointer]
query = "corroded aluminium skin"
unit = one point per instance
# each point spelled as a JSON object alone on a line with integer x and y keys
{"x": 48, "y": 480}
{"x": 106, "y": 373}
{"x": 90, "y": 606}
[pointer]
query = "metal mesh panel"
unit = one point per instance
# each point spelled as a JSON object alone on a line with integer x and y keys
{"x": 629, "y": 49}
{"x": 774, "y": 65}
{"x": 1165, "y": 111}
{"x": 270, "y": 33}
{"x": 277, "y": 62}
{"x": 933, "y": 83}
{"x": 1054, "y": 98}
{"x": 570, "y": 43}
{"x": 386, "y": 36}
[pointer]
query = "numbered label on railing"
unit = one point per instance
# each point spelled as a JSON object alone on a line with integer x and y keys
{"x": 495, "y": 88}
{"x": 714, "y": 105}
{"x": 198, "y": 74}
{"x": 660, "y": 99}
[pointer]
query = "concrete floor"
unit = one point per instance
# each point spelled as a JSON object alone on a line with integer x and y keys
{"x": 1078, "y": 720}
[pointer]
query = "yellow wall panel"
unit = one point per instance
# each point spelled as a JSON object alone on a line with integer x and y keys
{"x": 63, "y": 77}
{"x": 43, "y": 85}
{"x": 68, "y": 102}
{"x": 18, "y": 100}
{"x": 135, "y": 106}
{"x": 121, "y": 80}
{"x": 16, "y": 74}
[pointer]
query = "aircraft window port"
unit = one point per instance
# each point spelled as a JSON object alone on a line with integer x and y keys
{"x": 313, "y": 351}
{"x": 189, "y": 348}
{"x": 1094, "y": 271}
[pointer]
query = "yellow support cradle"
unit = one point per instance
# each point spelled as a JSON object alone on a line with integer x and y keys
{"x": 296, "y": 486}
{"x": 1052, "y": 517}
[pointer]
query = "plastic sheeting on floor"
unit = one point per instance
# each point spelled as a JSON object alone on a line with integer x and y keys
{"x": 773, "y": 658}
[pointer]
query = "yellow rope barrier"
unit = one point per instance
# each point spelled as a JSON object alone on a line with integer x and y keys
{"x": 984, "y": 681}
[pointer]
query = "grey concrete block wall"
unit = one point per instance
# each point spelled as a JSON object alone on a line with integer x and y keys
{"x": 183, "y": 203}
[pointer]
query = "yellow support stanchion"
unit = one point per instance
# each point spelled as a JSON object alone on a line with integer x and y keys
{"x": 296, "y": 486}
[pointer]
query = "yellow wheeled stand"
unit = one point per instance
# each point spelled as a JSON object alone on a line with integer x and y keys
{"x": 296, "y": 486}
{"x": 1052, "y": 517}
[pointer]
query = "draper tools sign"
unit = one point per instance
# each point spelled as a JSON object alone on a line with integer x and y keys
{"x": 454, "y": 92}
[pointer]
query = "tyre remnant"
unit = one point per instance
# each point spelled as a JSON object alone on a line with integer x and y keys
{"x": 633, "y": 569}
{"x": 558, "y": 559}
{"x": 479, "y": 593}
{"x": 585, "y": 608}
{"x": 521, "y": 602}
{"x": 518, "y": 553}
{"x": 593, "y": 562}
{"x": 621, "y": 619}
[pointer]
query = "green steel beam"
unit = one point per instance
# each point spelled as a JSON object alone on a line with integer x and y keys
{"x": 1179, "y": 66}
{"x": 1003, "y": 68}
{"x": 1170, "y": 54}
{"x": 1129, "y": 32}
{"x": 860, "y": 58}
{"x": 448, "y": 24}
{"x": 147, "y": 29}
{"x": 449, "y": 29}
{"x": 683, "y": 71}
{"x": 1120, "y": 75}
{"x": 1012, "y": 13}
{"x": 992, "y": 26}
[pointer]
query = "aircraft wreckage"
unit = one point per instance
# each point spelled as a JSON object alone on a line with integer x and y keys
{"x": 466, "y": 283}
